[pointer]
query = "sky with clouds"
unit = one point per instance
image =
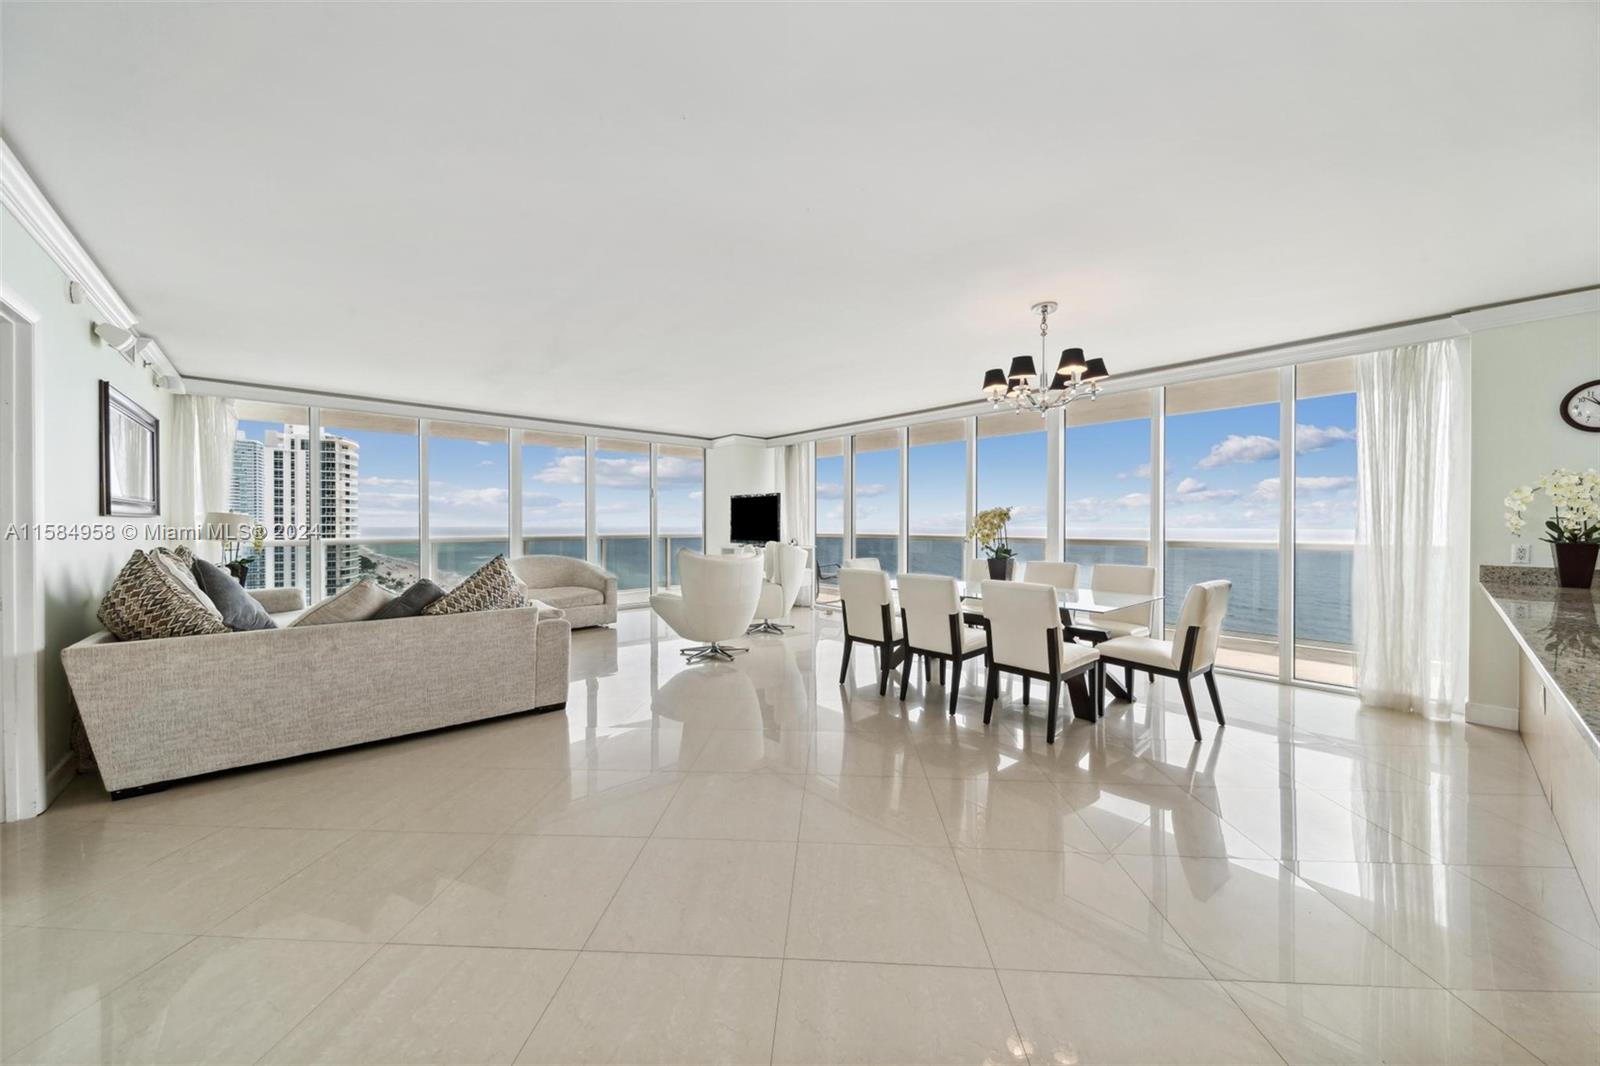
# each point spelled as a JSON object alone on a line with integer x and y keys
{"x": 469, "y": 487}
{"x": 1221, "y": 479}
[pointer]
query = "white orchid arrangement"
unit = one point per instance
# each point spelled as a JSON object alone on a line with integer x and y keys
{"x": 1576, "y": 499}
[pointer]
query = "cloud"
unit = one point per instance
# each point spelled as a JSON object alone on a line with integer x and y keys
{"x": 829, "y": 490}
{"x": 1192, "y": 490}
{"x": 1140, "y": 471}
{"x": 388, "y": 482}
{"x": 1236, "y": 449}
{"x": 628, "y": 473}
{"x": 1266, "y": 489}
{"x": 1315, "y": 438}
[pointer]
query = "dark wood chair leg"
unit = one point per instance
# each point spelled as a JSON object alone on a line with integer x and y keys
{"x": 1216, "y": 700}
{"x": 905, "y": 677}
{"x": 1050, "y": 721}
{"x": 844, "y": 667}
{"x": 941, "y": 672}
{"x": 886, "y": 656}
{"x": 955, "y": 689}
{"x": 1188, "y": 704}
{"x": 989, "y": 693}
{"x": 1127, "y": 680}
{"x": 1025, "y": 680}
{"x": 1099, "y": 690}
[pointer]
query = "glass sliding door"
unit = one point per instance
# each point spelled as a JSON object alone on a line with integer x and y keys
{"x": 1324, "y": 520}
{"x": 369, "y": 501}
{"x": 272, "y": 482}
{"x": 877, "y": 497}
{"x": 936, "y": 498}
{"x": 829, "y": 509}
{"x": 1106, "y": 482}
{"x": 469, "y": 497}
{"x": 1222, "y": 512}
{"x": 622, "y": 512}
{"x": 680, "y": 507}
{"x": 1012, "y": 472}
{"x": 554, "y": 515}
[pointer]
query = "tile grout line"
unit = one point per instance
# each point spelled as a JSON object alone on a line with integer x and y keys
{"x": 788, "y": 920}
{"x": 966, "y": 890}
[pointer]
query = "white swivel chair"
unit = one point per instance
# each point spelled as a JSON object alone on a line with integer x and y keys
{"x": 1026, "y": 639}
{"x": 864, "y": 562}
{"x": 785, "y": 570}
{"x": 1192, "y": 651}
{"x": 717, "y": 602}
{"x": 869, "y": 619}
{"x": 930, "y": 618}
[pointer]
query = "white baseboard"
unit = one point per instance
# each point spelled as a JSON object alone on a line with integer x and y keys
{"x": 59, "y": 777}
{"x": 1493, "y": 715}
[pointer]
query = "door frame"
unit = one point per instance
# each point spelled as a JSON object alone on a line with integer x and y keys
{"x": 22, "y": 769}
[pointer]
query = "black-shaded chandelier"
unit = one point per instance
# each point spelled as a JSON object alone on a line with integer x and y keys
{"x": 1019, "y": 389}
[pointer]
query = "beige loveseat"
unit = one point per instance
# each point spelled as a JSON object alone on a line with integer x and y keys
{"x": 160, "y": 710}
{"x": 585, "y": 592}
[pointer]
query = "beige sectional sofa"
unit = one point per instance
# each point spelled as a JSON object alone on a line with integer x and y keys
{"x": 584, "y": 591}
{"x": 159, "y": 710}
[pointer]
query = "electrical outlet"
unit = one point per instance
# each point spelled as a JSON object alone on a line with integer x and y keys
{"x": 1521, "y": 554}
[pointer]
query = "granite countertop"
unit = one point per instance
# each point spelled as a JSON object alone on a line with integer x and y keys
{"x": 1559, "y": 628}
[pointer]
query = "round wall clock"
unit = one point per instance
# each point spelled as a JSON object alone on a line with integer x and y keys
{"x": 1581, "y": 407}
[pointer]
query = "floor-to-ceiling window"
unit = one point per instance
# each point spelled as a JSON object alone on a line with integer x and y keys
{"x": 271, "y": 482}
{"x": 680, "y": 507}
{"x": 877, "y": 497}
{"x": 936, "y": 498}
{"x": 829, "y": 508}
{"x": 554, "y": 512}
{"x": 469, "y": 497}
{"x": 1012, "y": 462}
{"x": 369, "y": 500}
{"x": 622, "y": 511}
{"x": 1106, "y": 481}
{"x": 1324, "y": 519}
{"x": 1222, "y": 513}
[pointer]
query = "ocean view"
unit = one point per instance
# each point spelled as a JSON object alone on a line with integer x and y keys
{"x": 1322, "y": 576}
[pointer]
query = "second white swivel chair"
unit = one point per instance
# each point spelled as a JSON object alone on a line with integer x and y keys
{"x": 785, "y": 568}
{"x": 717, "y": 602}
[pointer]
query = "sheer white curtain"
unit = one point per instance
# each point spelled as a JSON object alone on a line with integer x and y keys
{"x": 1411, "y": 562}
{"x": 799, "y": 468}
{"x": 201, "y": 469}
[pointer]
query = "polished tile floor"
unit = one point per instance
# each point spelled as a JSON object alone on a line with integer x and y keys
{"x": 752, "y": 863}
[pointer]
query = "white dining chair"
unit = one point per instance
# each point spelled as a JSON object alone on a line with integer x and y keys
{"x": 1058, "y": 575}
{"x": 1026, "y": 639}
{"x": 1127, "y": 622}
{"x": 864, "y": 562}
{"x": 867, "y": 603}
{"x": 1191, "y": 652}
{"x": 930, "y": 620}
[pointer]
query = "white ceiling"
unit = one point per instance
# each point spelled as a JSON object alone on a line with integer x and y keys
{"x": 762, "y": 219}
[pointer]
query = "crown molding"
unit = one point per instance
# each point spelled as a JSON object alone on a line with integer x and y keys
{"x": 1516, "y": 312}
{"x": 21, "y": 195}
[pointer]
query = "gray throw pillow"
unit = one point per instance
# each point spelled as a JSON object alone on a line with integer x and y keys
{"x": 410, "y": 602}
{"x": 240, "y": 611}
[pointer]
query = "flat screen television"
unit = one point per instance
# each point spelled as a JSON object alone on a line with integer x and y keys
{"x": 753, "y": 519}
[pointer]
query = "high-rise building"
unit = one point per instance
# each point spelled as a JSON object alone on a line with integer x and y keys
{"x": 249, "y": 492}
{"x": 279, "y": 467}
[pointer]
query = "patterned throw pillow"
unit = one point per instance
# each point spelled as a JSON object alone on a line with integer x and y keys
{"x": 353, "y": 603}
{"x": 146, "y": 602}
{"x": 493, "y": 587}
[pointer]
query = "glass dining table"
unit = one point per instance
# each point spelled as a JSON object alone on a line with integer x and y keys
{"x": 1078, "y": 608}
